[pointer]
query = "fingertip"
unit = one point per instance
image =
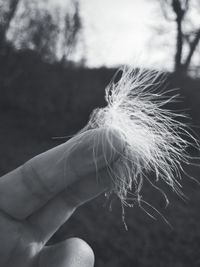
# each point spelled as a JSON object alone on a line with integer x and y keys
{"x": 86, "y": 253}
{"x": 73, "y": 252}
{"x": 94, "y": 150}
{"x": 111, "y": 144}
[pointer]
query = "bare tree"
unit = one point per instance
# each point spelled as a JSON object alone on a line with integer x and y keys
{"x": 39, "y": 27}
{"x": 7, "y": 13}
{"x": 38, "y": 30}
{"x": 193, "y": 46}
{"x": 72, "y": 29}
{"x": 178, "y": 10}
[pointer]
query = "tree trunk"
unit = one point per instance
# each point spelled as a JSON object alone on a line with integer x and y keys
{"x": 179, "y": 45}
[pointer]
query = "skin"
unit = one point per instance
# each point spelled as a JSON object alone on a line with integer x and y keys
{"x": 38, "y": 197}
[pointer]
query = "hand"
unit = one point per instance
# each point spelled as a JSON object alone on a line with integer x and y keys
{"x": 41, "y": 195}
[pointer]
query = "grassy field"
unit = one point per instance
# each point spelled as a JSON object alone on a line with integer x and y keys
{"x": 39, "y": 101}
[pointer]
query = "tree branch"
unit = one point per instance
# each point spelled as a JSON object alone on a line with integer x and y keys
{"x": 193, "y": 46}
{"x": 179, "y": 45}
{"x": 13, "y": 4}
{"x": 179, "y": 11}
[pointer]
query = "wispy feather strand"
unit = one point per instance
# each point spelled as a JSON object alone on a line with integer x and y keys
{"x": 154, "y": 137}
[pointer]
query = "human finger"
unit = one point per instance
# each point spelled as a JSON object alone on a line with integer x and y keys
{"x": 47, "y": 220}
{"x": 73, "y": 252}
{"x": 31, "y": 186}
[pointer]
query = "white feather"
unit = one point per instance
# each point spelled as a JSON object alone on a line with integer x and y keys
{"x": 152, "y": 135}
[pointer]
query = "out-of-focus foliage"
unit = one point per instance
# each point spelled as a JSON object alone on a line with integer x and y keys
{"x": 7, "y": 12}
{"x": 184, "y": 13}
{"x": 35, "y": 28}
{"x": 52, "y": 32}
{"x": 72, "y": 27}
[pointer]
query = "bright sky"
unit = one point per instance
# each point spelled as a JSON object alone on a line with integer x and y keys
{"x": 119, "y": 32}
{"x": 116, "y": 30}
{"x": 123, "y": 32}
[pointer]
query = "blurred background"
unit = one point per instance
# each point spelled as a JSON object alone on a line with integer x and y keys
{"x": 56, "y": 57}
